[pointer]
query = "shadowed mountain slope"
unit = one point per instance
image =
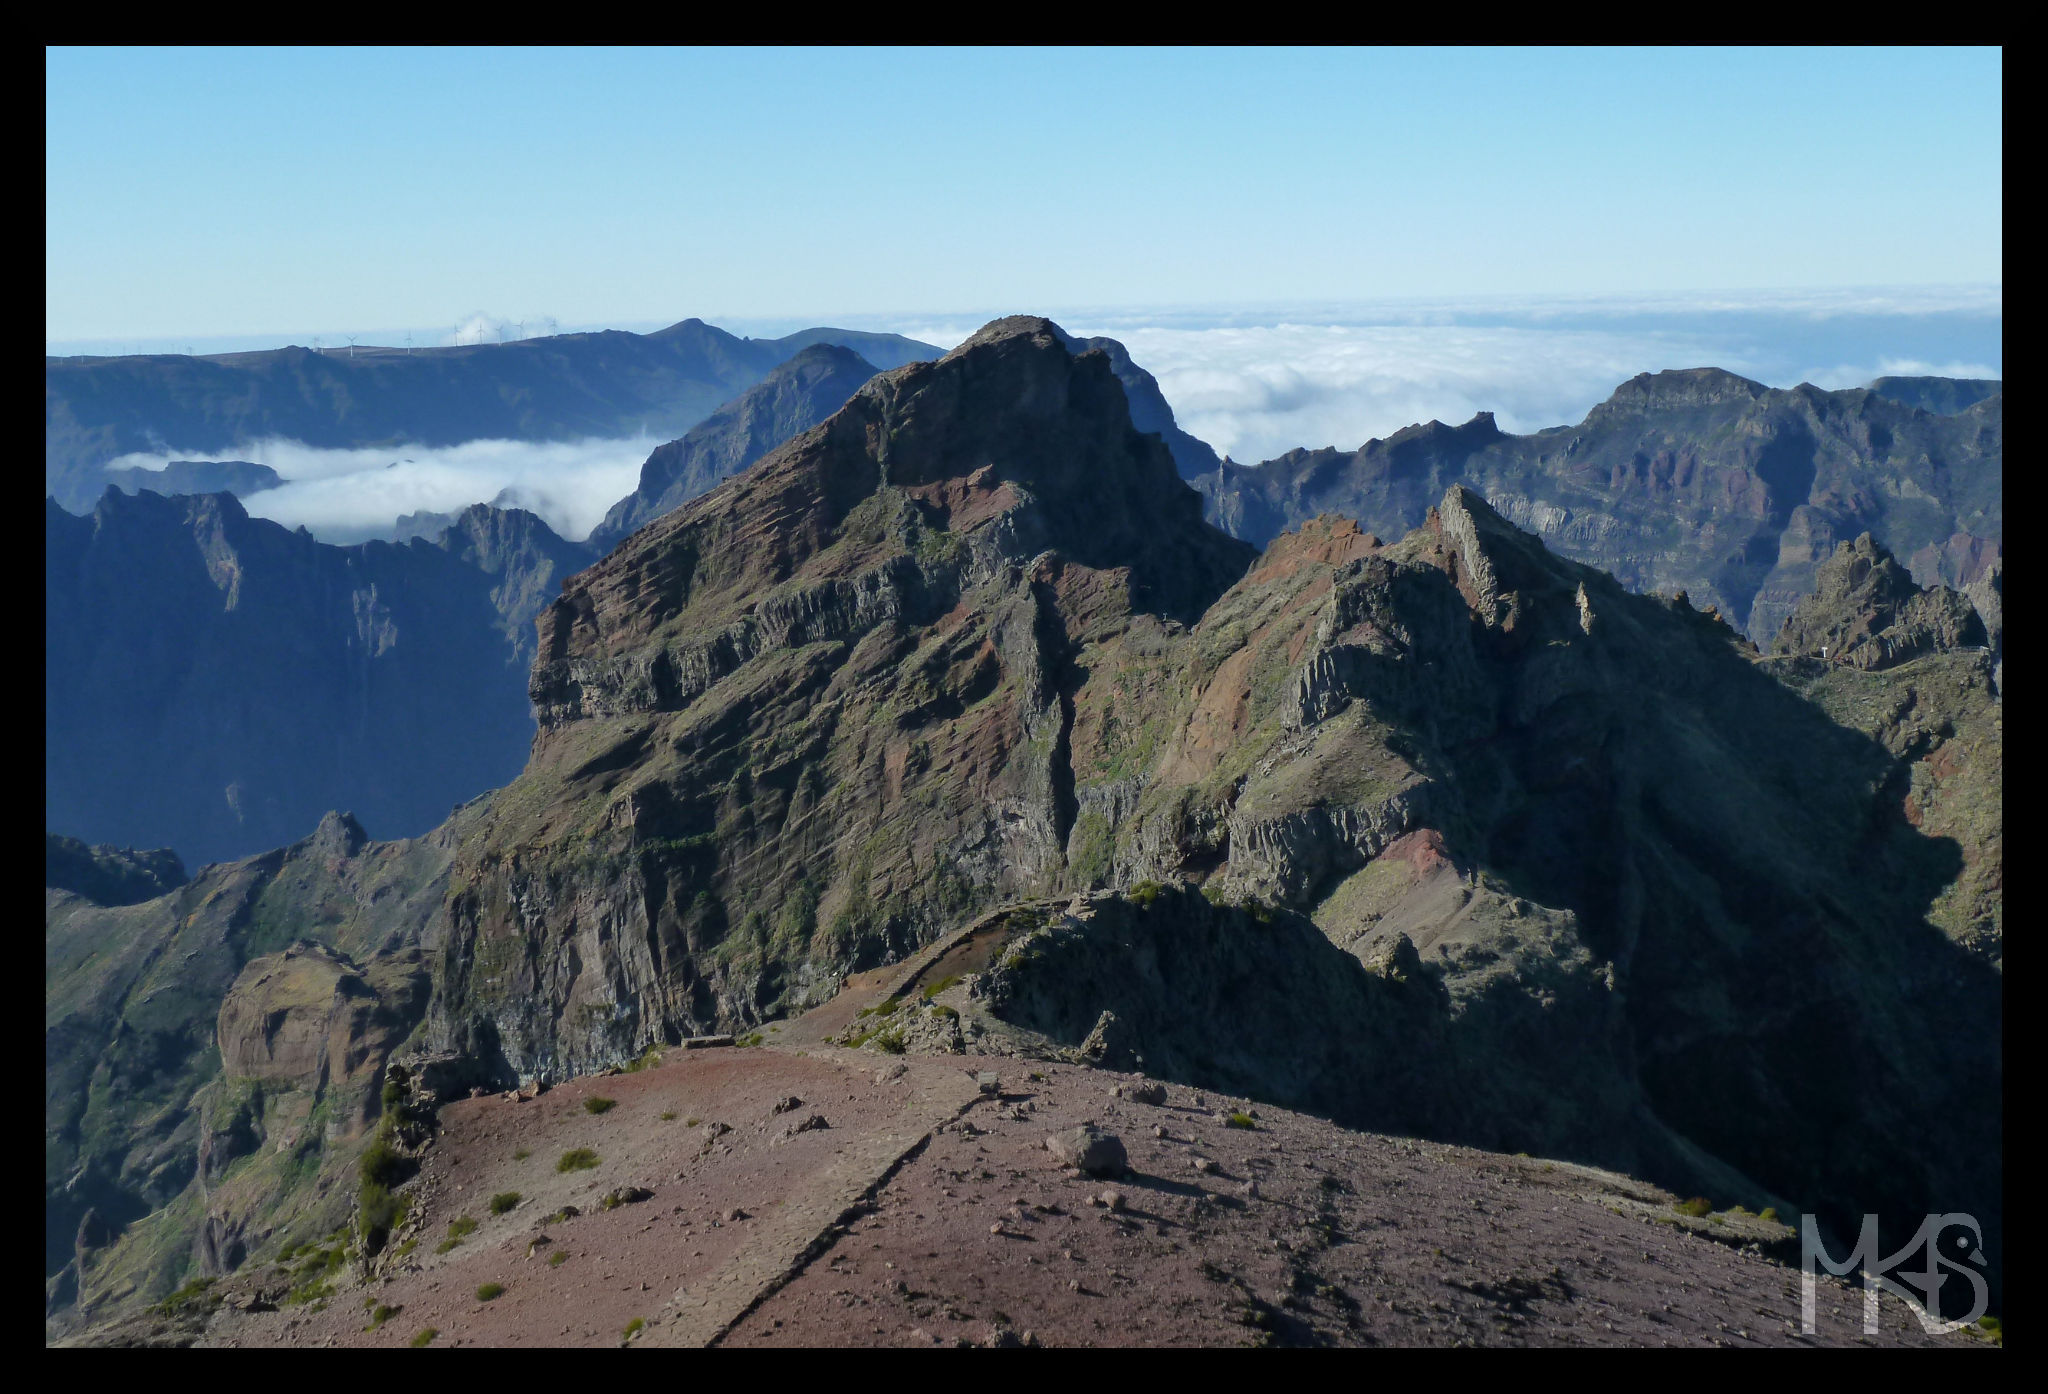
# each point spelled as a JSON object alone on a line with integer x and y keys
{"x": 215, "y": 682}
{"x": 796, "y": 396}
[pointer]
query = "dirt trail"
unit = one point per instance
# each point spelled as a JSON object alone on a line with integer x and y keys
{"x": 803, "y": 1194}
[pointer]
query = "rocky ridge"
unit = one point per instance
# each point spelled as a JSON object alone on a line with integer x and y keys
{"x": 1695, "y": 480}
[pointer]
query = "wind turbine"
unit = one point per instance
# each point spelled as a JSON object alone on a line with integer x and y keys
{"x": 351, "y": 346}
{"x": 408, "y": 343}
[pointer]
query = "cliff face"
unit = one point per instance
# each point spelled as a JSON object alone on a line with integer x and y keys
{"x": 217, "y": 682}
{"x": 797, "y": 725}
{"x": 1696, "y": 480}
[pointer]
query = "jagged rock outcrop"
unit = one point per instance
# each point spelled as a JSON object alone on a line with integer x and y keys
{"x": 1919, "y": 671}
{"x": 1867, "y": 612}
{"x": 1694, "y": 480}
{"x": 796, "y": 396}
{"x": 109, "y": 875}
{"x": 304, "y": 1038}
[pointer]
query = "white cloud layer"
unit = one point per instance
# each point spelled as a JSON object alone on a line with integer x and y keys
{"x": 1254, "y": 393}
{"x": 352, "y": 495}
{"x": 1254, "y": 384}
{"x": 1257, "y": 383}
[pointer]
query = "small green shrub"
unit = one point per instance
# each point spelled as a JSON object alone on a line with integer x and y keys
{"x": 1240, "y": 1120}
{"x": 487, "y": 1291}
{"x": 577, "y": 1159}
{"x": 557, "y": 1258}
{"x": 461, "y": 1227}
{"x": 669, "y": 1116}
{"x": 934, "y": 989}
{"x": 503, "y": 1201}
{"x": 1696, "y": 1207}
{"x": 379, "y": 1210}
{"x": 594, "y": 1104}
{"x": 381, "y": 1314}
{"x": 424, "y": 1337}
{"x": 407, "y": 1247}
{"x": 193, "y": 1294}
{"x": 751, "y": 1039}
{"x": 891, "y": 1044}
{"x": 646, "y": 1062}
{"x": 1769, "y": 1212}
{"x": 522, "y": 1154}
{"x": 691, "y": 1122}
{"x": 634, "y": 1327}
{"x": 1146, "y": 892}
{"x": 381, "y": 1163}
{"x": 941, "y": 1009}
{"x": 445, "y": 1245}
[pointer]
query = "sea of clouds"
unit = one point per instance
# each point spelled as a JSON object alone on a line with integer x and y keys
{"x": 1257, "y": 383}
{"x": 1254, "y": 383}
{"x": 350, "y": 496}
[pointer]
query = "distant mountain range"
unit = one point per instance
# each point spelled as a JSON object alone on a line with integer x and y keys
{"x": 1694, "y": 480}
{"x": 568, "y": 387}
{"x": 216, "y": 682}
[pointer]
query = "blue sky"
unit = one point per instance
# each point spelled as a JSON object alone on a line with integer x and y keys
{"x": 204, "y": 194}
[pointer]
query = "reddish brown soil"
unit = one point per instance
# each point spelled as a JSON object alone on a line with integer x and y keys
{"x": 927, "y": 1213}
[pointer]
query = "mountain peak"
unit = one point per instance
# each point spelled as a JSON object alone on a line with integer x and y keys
{"x": 1682, "y": 387}
{"x": 1013, "y": 327}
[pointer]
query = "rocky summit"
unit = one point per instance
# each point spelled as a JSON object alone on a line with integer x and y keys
{"x": 949, "y": 728}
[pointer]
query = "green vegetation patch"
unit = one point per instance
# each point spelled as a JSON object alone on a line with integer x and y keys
{"x": 1696, "y": 1207}
{"x": 635, "y": 1327}
{"x": 194, "y": 1295}
{"x": 1240, "y": 1120}
{"x": 557, "y": 1258}
{"x": 504, "y": 1201}
{"x": 461, "y": 1227}
{"x": 489, "y": 1291}
{"x": 577, "y": 1159}
{"x": 595, "y": 1104}
{"x": 424, "y": 1337}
